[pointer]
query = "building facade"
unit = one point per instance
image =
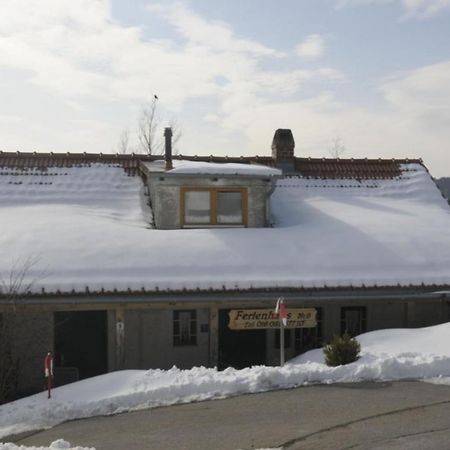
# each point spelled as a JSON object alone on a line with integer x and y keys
{"x": 144, "y": 260}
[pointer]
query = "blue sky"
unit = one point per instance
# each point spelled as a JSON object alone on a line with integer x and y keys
{"x": 373, "y": 73}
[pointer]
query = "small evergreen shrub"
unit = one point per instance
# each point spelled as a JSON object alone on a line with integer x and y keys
{"x": 341, "y": 350}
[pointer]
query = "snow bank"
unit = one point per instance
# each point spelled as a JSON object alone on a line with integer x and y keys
{"x": 397, "y": 343}
{"x": 90, "y": 227}
{"x": 386, "y": 355}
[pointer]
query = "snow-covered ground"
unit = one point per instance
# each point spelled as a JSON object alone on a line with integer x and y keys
{"x": 422, "y": 354}
{"x": 90, "y": 227}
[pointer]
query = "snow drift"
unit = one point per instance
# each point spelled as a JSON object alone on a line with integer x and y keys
{"x": 386, "y": 355}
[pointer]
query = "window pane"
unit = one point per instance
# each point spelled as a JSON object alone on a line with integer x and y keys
{"x": 229, "y": 207}
{"x": 197, "y": 207}
{"x": 185, "y": 319}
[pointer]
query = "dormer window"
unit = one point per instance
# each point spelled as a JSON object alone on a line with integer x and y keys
{"x": 213, "y": 206}
{"x": 199, "y": 194}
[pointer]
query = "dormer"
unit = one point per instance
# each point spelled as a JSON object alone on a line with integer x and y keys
{"x": 191, "y": 193}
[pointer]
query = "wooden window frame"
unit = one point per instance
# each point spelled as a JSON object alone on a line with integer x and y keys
{"x": 213, "y": 195}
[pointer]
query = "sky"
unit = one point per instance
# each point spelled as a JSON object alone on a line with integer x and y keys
{"x": 373, "y": 75}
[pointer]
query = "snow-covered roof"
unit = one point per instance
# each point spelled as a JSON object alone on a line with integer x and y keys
{"x": 184, "y": 167}
{"x": 88, "y": 225}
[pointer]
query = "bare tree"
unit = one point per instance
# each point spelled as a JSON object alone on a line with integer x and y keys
{"x": 147, "y": 127}
{"x": 150, "y": 132}
{"x": 13, "y": 286}
{"x": 16, "y": 283}
{"x": 123, "y": 146}
{"x": 337, "y": 147}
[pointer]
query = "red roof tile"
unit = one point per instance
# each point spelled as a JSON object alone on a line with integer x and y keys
{"x": 362, "y": 169}
{"x": 325, "y": 168}
{"x": 46, "y": 160}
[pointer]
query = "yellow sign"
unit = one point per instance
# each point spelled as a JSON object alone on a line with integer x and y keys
{"x": 253, "y": 319}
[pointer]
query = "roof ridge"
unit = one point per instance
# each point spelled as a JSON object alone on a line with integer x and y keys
{"x": 330, "y": 168}
{"x": 143, "y": 156}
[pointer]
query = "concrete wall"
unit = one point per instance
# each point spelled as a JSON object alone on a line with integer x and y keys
{"x": 33, "y": 338}
{"x": 149, "y": 341}
{"x": 149, "y": 334}
{"x": 165, "y": 196}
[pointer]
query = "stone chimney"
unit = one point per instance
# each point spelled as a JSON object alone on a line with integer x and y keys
{"x": 283, "y": 150}
{"x": 168, "y": 147}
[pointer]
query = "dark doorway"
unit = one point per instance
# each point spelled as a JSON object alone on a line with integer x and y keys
{"x": 241, "y": 348}
{"x": 80, "y": 345}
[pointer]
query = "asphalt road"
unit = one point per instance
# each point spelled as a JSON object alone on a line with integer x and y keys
{"x": 401, "y": 415}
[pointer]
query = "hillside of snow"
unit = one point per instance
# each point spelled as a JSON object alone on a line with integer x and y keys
{"x": 422, "y": 354}
{"x": 90, "y": 227}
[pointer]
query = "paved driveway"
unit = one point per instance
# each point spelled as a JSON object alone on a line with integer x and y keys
{"x": 401, "y": 415}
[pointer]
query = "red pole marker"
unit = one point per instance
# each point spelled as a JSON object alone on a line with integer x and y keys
{"x": 280, "y": 309}
{"x": 48, "y": 372}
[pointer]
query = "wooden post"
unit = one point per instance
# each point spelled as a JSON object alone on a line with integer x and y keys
{"x": 120, "y": 339}
{"x": 213, "y": 336}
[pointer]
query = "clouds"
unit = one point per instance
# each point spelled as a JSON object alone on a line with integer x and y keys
{"x": 411, "y": 121}
{"x": 215, "y": 34}
{"x": 78, "y": 76}
{"x": 422, "y": 94}
{"x": 413, "y": 8}
{"x": 62, "y": 49}
{"x": 425, "y": 8}
{"x": 312, "y": 47}
{"x": 82, "y": 51}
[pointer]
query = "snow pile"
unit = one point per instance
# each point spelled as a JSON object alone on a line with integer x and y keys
{"x": 386, "y": 355}
{"x": 60, "y": 444}
{"x": 90, "y": 228}
{"x": 208, "y": 168}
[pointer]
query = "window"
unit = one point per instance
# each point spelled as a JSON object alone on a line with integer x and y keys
{"x": 213, "y": 206}
{"x": 309, "y": 338}
{"x": 229, "y": 207}
{"x": 353, "y": 320}
{"x": 185, "y": 327}
{"x": 197, "y": 207}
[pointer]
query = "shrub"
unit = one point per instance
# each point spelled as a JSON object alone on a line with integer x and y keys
{"x": 341, "y": 350}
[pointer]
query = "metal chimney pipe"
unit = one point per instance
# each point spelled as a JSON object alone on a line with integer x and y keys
{"x": 168, "y": 147}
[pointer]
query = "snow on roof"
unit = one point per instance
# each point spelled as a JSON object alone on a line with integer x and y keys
{"x": 89, "y": 227}
{"x": 184, "y": 167}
